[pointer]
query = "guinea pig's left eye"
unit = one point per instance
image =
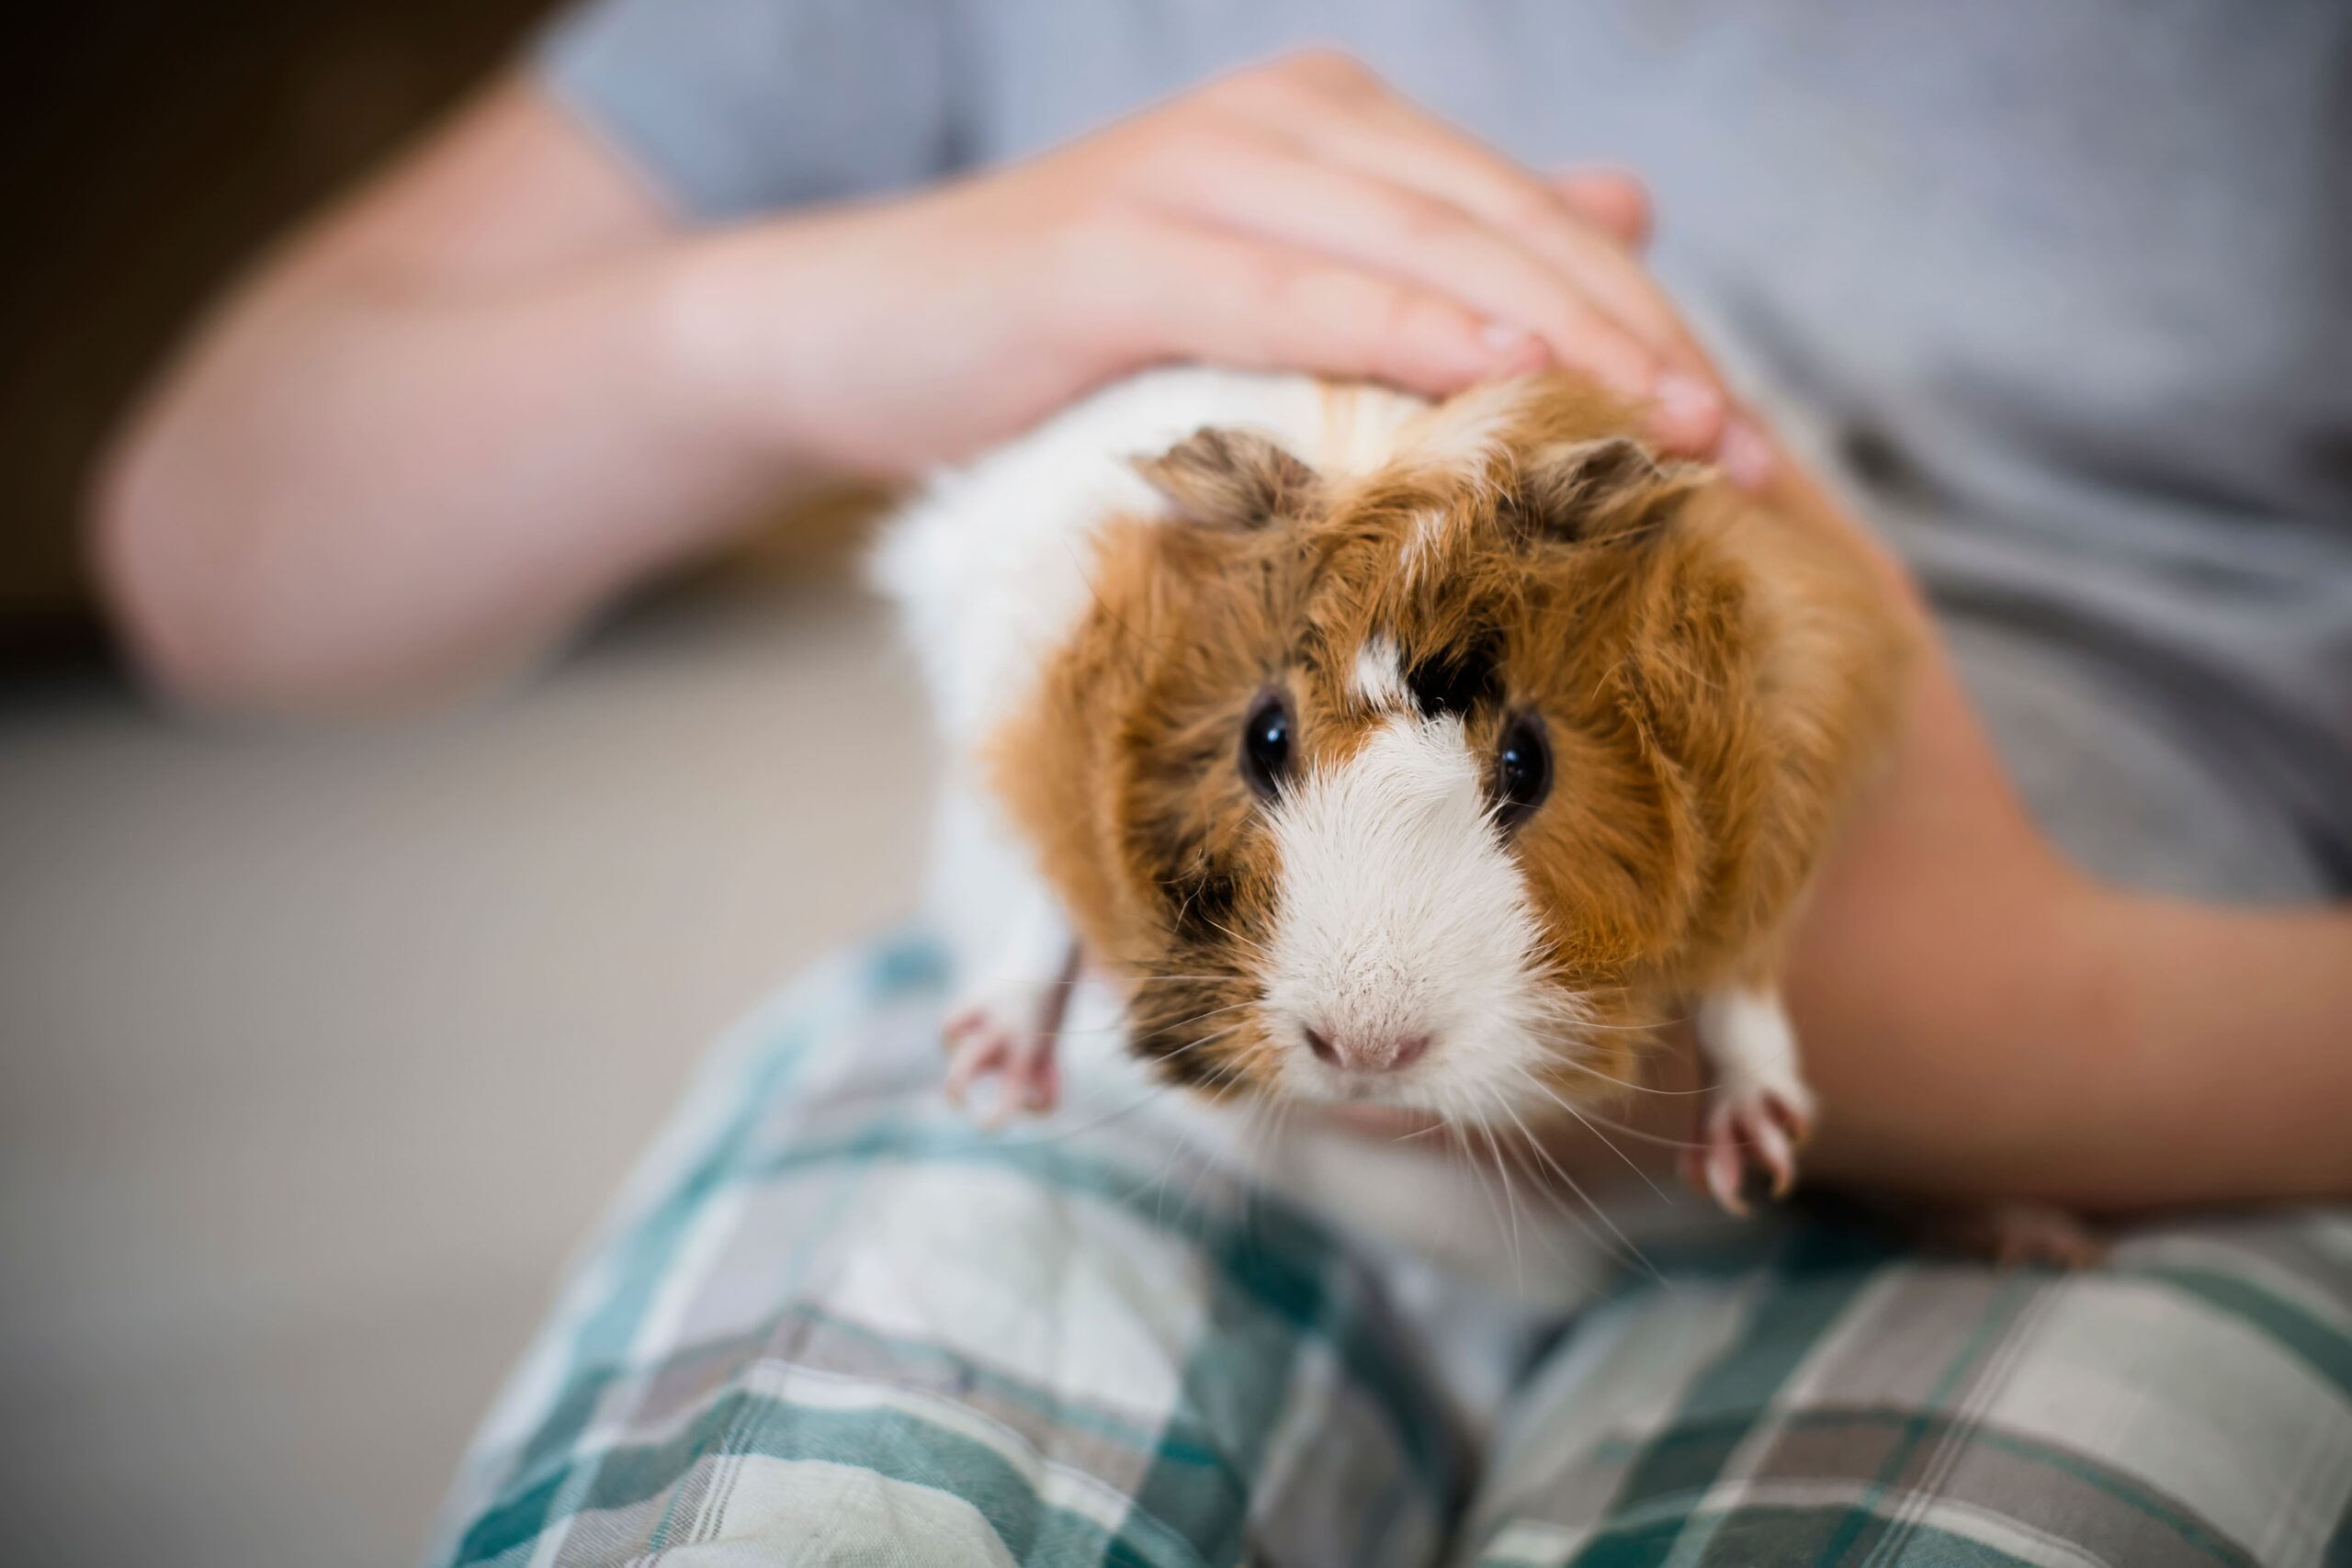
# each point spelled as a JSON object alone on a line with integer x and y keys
{"x": 1265, "y": 745}
{"x": 1522, "y": 770}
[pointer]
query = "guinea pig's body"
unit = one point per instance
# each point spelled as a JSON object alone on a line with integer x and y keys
{"x": 1432, "y": 756}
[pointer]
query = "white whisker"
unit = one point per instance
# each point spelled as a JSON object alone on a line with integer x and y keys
{"x": 1599, "y": 1213}
{"x": 1571, "y": 1108}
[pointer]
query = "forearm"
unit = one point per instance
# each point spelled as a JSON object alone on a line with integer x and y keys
{"x": 2226, "y": 1074}
{"x": 354, "y": 485}
{"x": 2091, "y": 1046}
{"x": 1983, "y": 1020}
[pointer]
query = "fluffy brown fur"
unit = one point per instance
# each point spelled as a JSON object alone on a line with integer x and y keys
{"x": 1717, "y": 678}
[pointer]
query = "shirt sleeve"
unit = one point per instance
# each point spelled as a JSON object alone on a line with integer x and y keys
{"x": 731, "y": 107}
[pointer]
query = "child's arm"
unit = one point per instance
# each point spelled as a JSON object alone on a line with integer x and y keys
{"x": 1979, "y": 1021}
{"x": 503, "y": 382}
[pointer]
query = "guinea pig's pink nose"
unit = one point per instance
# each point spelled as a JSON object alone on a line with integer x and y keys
{"x": 1366, "y": 1053}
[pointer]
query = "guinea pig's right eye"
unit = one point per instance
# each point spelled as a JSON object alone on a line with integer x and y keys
{"x": 1265, "y": 745}
{"x": 1522, "y": 770}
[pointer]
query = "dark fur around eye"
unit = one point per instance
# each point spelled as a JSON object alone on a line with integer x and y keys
{"x": 1266, "y": 744}
{"x": 1522, "y": 770}
{"x": 1456, "y": 681}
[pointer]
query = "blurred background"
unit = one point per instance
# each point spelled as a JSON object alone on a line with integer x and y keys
{"x": 318, "y": 1048}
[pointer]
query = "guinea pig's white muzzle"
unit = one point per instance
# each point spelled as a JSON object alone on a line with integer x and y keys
{"x": 1402, "y": 963}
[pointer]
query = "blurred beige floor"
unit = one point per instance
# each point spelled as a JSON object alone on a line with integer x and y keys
{"x": 318, "y": 1049}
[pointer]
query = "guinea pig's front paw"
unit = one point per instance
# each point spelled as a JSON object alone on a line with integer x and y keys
{"x": 1007, "y": 1039}
{"x": 1759, "y": 1111}
{"x": 1755, "y": 1129}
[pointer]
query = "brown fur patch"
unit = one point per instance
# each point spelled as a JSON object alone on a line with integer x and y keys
{"x": 1715, "y": 679}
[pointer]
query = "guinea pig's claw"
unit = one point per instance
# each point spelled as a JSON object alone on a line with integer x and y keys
{"x": 1755, "y": 1133}
{"x": 982, "y": 1046}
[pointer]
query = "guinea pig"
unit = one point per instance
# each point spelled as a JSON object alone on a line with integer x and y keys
{"x": 1433, "y": 756}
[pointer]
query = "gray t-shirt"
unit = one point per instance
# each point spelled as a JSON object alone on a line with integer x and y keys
{"x": 2068, "y": 287}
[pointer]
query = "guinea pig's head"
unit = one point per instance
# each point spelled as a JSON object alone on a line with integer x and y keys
{"x": 1381, "y": 787}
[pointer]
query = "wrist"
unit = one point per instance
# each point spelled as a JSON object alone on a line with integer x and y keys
{"x": 726, "y": 302}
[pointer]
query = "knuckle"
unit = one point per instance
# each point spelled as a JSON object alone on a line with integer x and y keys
{"x": 1638, "y": 214}
{"x": 1178, "y": 152}
{"x": 1406, "y": 316}
{"x": 1213, "y": 103}
{"x": 1095, "y": 231}
{"x": 1276, "y": 287}
{"x": 1421, "y": 339}
{"x": 1261, "y": 85}
{"x": 1312, "y": 309}
{"x": 1428, "y": 219}
{"x": 1639, "y": 302}
{"x": 1621, "y": 359}
{"x": 1330, "y": 70}
{"x": 1386, "y": 318}
{"x": 1529, "y": 209}
{"x": 1651, "y": 326}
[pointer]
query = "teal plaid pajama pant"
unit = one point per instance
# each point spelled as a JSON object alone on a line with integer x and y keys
{"x": 832, "y": 1322}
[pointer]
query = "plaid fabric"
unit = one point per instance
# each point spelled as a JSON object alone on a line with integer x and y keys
{"x": 830, "y": 1322}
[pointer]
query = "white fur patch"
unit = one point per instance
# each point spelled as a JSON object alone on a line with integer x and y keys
{"x": 1467, "y": 432}
{"x": 1429, "y": 530}
{"x": 1379, "y": 676}
{"x": 1748, "y": 1040}
{"x": 1402, "y": 915}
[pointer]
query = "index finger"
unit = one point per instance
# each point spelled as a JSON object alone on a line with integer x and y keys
{"x": 1379, "y": 133}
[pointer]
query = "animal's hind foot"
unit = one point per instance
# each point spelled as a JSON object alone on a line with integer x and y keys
{"x": 1006, "y": 1040}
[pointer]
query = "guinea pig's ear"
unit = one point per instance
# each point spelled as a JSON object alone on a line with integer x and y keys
{"x": 1600, "y": 490}
{"x": 1230, "y": 478}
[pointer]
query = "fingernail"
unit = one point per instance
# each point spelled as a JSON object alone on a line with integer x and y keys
{"x": 1686, "y": 401}
{"x": 1746, "y": 456}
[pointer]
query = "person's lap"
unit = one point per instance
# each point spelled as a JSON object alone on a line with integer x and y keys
{"x": 839, "y": 1323}
{"x": 2188, "y": 1402}
{"x": 835, "y": 1323}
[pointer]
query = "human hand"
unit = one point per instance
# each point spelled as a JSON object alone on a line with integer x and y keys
{"x": 1299, "y": 215}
